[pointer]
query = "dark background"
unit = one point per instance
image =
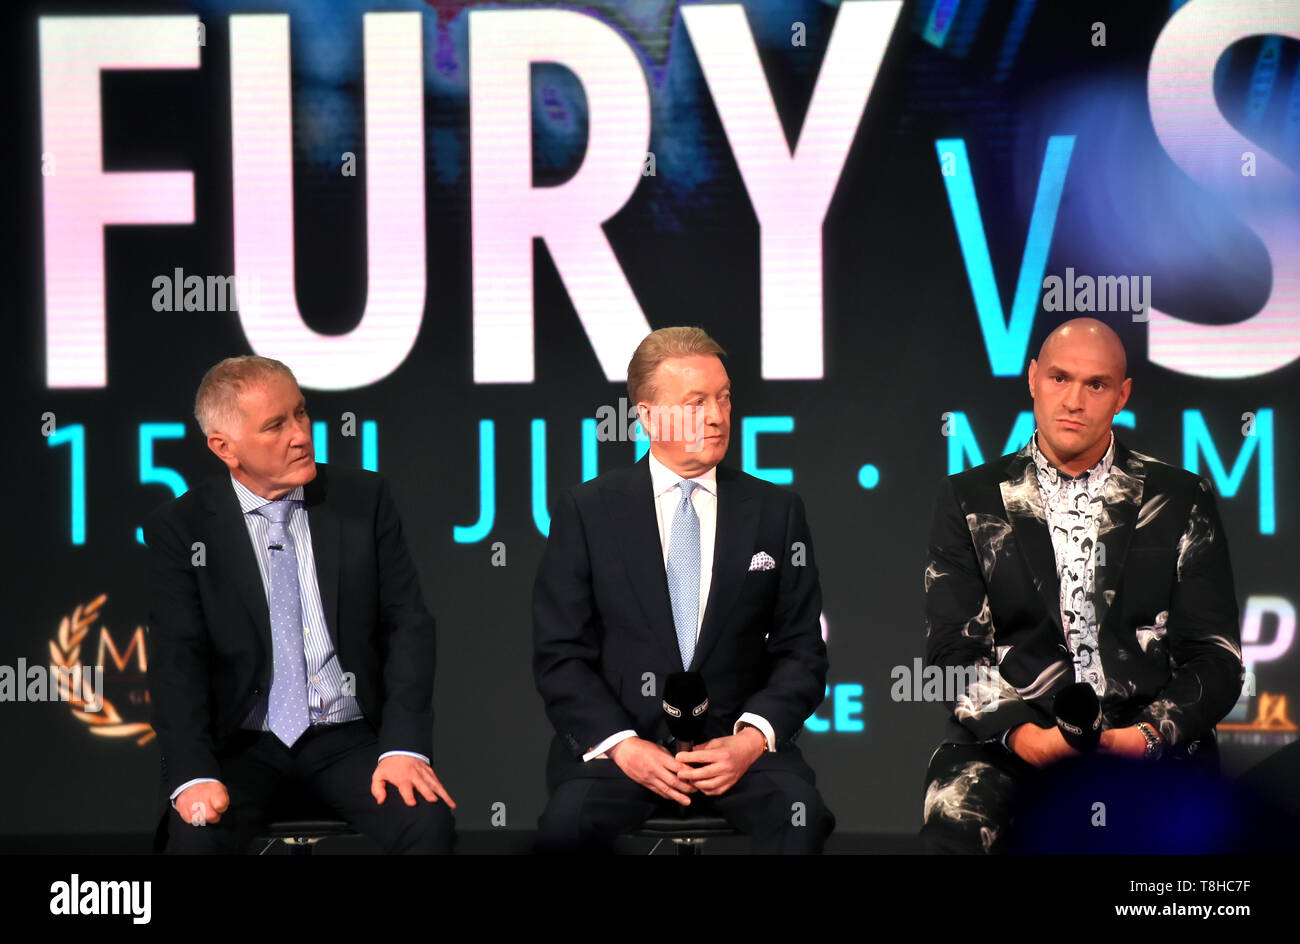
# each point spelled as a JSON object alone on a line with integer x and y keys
{"x": 902, "y": 346}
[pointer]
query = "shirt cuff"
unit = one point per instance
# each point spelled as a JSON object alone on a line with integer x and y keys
{"x": 187, "y": 784}
{"x": 598, "y": 752}
{"x": 406, "y": 754}
{"x": 759, "y": 722}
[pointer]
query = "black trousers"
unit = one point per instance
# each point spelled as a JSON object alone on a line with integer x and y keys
{"x": 780, "y": 809}
{"x": 330, "y": 764}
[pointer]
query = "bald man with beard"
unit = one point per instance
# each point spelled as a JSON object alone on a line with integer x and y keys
{"x": 1074, "y": 530}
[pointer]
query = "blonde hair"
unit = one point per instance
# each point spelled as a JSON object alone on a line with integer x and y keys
{"x": 216, "y": 405}
{"x": 655, "y": 348}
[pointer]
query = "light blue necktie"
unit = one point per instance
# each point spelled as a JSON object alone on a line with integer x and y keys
{"x": 684, "y": 572}
{"x": 286, "y": 712}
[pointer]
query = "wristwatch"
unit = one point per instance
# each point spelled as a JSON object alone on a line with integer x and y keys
{"x": 1155, "y": 743}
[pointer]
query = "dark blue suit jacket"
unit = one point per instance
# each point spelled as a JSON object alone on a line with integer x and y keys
{"x": 210, "y": 651}
{"x": 603, "y": 626}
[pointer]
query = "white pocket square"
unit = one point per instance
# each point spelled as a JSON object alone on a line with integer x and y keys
{"x": 762, "y": 561}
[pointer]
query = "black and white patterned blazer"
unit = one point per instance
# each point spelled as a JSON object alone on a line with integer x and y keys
{"x": 1168, "y": 637}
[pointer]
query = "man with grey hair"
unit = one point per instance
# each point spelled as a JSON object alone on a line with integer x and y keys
{"x": 290, "y": 647}
{"x": 679, "y": 563}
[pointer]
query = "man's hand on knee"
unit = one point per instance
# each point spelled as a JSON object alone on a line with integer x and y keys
{"x": 203, "y": 803}
{"x": 408, "y": 774}
{"x": 651, "y": 765}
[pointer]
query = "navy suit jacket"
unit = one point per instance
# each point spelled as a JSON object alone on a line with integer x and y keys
{"x": 603, "y": 632}
{"x": 210, "y": 651}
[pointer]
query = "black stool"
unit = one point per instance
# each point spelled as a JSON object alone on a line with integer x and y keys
{"x": 688, "y": 833}
{"x": 300, "y": 835}
{"x": 299, "y": 820}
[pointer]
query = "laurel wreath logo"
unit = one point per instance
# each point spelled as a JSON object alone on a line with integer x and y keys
{"x": 65, "y": 652}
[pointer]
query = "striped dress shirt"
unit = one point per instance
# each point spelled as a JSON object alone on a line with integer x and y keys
{"x": 326, "y": 701}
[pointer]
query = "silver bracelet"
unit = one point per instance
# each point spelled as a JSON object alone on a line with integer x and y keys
{"x": 1155, "y": 743}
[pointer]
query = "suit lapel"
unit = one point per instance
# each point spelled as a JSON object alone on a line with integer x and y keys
{"x": 631, "y": 508}
{"x": 633, "y": 515}
{"x": 233, "y": 549}
{"x": 1121, "y": 498}
{"x": 325, "y": 544}
{"x": 1024, "y": 508}
{"x": 733, "y": 544}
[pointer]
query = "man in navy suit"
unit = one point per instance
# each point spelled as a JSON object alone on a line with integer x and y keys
{"x": 290, "y": 647}
{"x": 677, "y": 564}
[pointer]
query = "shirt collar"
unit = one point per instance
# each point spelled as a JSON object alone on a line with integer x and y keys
{"x": 1050, "y": 477}
{"x": 663, "y": 479}
{"x": 250, "y": 501}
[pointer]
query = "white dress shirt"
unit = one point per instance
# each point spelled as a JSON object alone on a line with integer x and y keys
{"x": 663, "y": 482}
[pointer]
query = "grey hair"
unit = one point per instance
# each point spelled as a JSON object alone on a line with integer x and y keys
{"x": 216, "y": 405}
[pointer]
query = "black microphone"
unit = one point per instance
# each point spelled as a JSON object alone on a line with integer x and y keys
{"x": 686, "y": 708}
{"x": 1078, "y": 716}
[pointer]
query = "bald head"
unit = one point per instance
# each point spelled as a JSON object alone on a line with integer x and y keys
{"x": 1087, "y": 336}
{"x": 1078, "y": 385}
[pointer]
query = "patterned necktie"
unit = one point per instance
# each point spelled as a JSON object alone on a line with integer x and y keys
{"x": 684, "y": 572}
{"x": 286, "y": 713}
